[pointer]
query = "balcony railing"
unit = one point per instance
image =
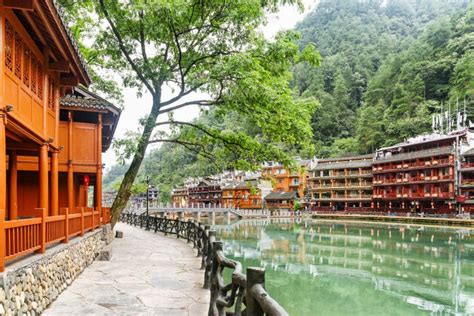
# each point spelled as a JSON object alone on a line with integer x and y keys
{"x": 445, "y": 195}
{"x": 25, "y": 236}
{"x": 414, "y": 165}
{"x": 467, "y": 165}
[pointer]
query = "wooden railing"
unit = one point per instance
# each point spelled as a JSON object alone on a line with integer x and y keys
{"x": 25, "y": 236}
{"x": 22, "y": 237}
{"x": 244, "y": 295}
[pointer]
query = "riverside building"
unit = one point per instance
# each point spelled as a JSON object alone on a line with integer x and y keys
{"x": 341, "y": 184}
{"x": 422, "y": 174}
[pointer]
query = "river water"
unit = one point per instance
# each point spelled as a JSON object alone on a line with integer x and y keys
{"x": 341, "y": 268}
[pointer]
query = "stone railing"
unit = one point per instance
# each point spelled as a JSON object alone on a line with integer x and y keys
{"x": 244, "y": 295}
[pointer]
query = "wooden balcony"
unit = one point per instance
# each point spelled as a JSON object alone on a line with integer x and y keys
{"x": 439, "y": 163}
{"x": 25, "y": 236}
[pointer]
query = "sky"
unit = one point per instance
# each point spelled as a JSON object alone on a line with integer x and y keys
{"x": 136, "y": 108}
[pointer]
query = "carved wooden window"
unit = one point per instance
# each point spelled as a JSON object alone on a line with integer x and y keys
{"x": 33, "y": 73}
{"x": 26, "y": 66}
{"x": 8, "y": 45}
{"x": 18, "y": 53}
{"x": 40, "y": 81}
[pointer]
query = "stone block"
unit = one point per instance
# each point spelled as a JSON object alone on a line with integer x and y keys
{"x": 118, "y": 234}
{"x": 107, "y": 234}
{"x": 105, "y": 254}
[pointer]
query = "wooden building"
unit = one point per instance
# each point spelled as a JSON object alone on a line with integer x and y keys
{"x": 248, "y": 194}
{"x": 341, "y": 184}
{"x": 281, "y": 200}
{"x": 50, "y": 152}
{"x": 286, "y": 180}
{"x": 466, "y": 183}
{"x": 206, "y": 193}
{"x": 179, "y": 196}
{"x": 418, "y": 175}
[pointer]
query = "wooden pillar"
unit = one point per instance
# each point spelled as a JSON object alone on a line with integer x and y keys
{"x": 70, "y": 169}
{"x": 54, "y": 182}
{"x": 43, "y": 177}
{"x": 70, "y": 188}
{"x": 98, "y": 180}
{"x": 13, "y": 188}
{"x": 3, "y": 187}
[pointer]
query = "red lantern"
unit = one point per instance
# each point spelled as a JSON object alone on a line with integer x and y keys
{"x": 86, "y": 180}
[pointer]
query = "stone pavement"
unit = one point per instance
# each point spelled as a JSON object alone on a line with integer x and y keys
{"x": 149, "y": 274}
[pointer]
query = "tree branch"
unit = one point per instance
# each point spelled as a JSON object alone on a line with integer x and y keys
{"x": 123, "y": 49}
{"x": 182, "y": 105}
{"x": 204, "y": 130}
{"x": 191, "y": 146}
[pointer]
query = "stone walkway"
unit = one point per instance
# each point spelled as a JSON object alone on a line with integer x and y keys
{"x": 149, "y": 274}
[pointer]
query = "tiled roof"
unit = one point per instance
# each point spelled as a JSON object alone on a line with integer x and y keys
{"x": 417, "y": 154}
{"x": 87, "y": 100}
{"x": 80, "y": 102}
{"x": 60, "y": 13}
{"x": 344, "y": 164}
{"x": 281, "y": 196}
{"x": 350, "y": 158}
{"x": 470, "y": 152}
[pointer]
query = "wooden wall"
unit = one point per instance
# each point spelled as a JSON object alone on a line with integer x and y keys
{"x": 85, "y": 146}
{"x": 27, "y": 85}
{"x": 28, "y": 192}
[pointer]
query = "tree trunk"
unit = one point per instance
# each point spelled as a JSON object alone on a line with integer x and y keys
{"x": 124, "y": 191}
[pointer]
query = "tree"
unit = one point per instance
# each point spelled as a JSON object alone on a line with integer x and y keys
{"x": 211, "y": 47}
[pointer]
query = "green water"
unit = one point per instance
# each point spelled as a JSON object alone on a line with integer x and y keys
{"x": 337, "y": 268}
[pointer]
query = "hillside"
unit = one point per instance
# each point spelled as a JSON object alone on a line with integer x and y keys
{"x": 359, "y": 42}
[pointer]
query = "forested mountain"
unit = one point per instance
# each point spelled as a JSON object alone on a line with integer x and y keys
{"x": 387, "y": 65}
{"x": 361, "y": 42}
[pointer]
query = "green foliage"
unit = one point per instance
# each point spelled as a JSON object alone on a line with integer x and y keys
{"x": 415, "y": 83}
{"x": 297, "y": 205}
{"x": 385, "y": 67}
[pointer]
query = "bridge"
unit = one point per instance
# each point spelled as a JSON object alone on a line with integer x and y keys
{"x": 197, "y": 210}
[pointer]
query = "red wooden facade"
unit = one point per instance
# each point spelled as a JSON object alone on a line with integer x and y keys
{"x": 246, "y": 194}
{"x": 206, "y": 193}
{"x": 50, "y": 151}
{"x": 417, "y": 176}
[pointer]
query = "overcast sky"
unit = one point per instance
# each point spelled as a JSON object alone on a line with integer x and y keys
{"x": 136, "y": 108}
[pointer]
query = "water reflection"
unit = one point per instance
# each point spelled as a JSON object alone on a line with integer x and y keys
{"x": 336, "y": 268}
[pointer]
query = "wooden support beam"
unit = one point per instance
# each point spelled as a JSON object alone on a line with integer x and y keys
{"x": 70, "y": 170}
{"x": 54, "y": 182}
{"x": 3, "y": 193}
{"x": 70, "y": 81}
{"x": 98, "y": 182}
{"x": 27, "y": 5}
{"x": 60, "y": 66}
{"x": 43, "y": 177}
{"x": 13, "y": 188}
